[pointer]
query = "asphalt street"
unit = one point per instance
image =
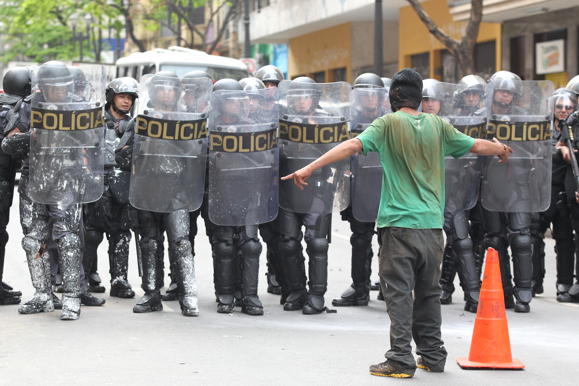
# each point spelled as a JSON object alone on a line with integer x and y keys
{"x": 111, "y": 345}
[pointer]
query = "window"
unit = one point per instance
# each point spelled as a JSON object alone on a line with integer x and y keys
{"x": 485, "y": 60}
{"x": 338, "y": 75}
{"x": 421, "y": 63}
{"x": 319, "y": 77}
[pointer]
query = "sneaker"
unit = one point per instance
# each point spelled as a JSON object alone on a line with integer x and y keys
{"x": 421, "y": 364}
{"x": 387, "y": 369}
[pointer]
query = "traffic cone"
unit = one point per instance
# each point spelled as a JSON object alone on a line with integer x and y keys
{"x": 491, "y": 347}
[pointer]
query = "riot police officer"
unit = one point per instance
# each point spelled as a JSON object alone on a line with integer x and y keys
{"x": 367, "y": 105}
{"x": 312, "y": 207}
{"x": 165, "y": 208}
{"x": 111, "y": 214}
{"x": 233, "y": 217}
{"x": 270, "y": 75}
{"x": 462, "y": 190}
{"x": 563, "y": 103}
{"x": 17, "y": 86}
{"x": 511, "y": 193}
{"x": 54, "y": 175}
{"x": 193, "y": 100}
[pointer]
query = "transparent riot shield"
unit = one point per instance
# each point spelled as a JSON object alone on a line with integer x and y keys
{"x": 523, "y": 184}
{"x": 66, "y": 144}
{"x": 367, "y": 104}
{"x": 243, "y": 158}
{"x": 462, "y": 109}
{"x": 170, "y": 147}
{"x": 314, "y": 119}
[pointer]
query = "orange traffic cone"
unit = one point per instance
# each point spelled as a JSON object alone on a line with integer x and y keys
{"x": 491, "y": 347}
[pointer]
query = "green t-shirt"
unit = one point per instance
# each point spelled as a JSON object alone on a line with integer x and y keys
{"x": 412, "y": 150}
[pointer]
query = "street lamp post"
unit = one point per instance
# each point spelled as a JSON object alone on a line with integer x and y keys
{"x": 378, "y": 55}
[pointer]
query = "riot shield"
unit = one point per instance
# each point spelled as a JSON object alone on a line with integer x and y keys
{"x": 170, "y": 147}
{"x": 243, "y": 158}
{"x": 314, "y": 120}
{"x": 367, "y": 104}
{"x": 66, "y": 145}
{"x": 462, "y": 175}
{"x": 523, "y": 184}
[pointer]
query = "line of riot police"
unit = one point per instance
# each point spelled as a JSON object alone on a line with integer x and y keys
{"x": 169, "y": 149}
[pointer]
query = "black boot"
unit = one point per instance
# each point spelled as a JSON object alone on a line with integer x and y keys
{"x": 150, "y": 302}
{"x": 352, "y": 297}
{"x": 225, "y": 304}
{"x": 94, "y": 283}
{"x": 121, "y": 288}
{"x": 89, "y": 300}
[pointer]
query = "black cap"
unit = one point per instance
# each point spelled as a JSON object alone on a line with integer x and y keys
{"x": 406, "y": 89}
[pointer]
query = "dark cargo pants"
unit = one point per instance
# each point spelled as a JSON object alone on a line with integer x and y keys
{"x": 410, "y": 261}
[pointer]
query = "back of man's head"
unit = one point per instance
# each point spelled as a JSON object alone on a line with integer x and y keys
{"x": 406, "y": 89}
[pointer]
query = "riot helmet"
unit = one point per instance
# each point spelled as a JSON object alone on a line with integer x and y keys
{"x": 251, "y": 86}
{"x": 124, "y": 85}
{"x": 17, "y": 81}
{"x": 564, "y": 102}
{"x": 82, "y": 87}
{"x": 232, "y": 108}
{"x": 55, "y": 82}
{"x": 164, "y": 90}
{"x": 471, "y": 92}
{"x": 368, "y": 80}
{"x": 270, "y": 75}
{"x": 193, "y": 89}
{"x": 507, "y": 88}
{"x": 369, "y": 94}
{"x": 573, "y": 85}
{"x": 432, "y": 96}
{"x": 303, "y": 96}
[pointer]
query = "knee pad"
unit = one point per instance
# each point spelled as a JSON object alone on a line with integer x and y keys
{"x": 181, "y": 247}
{"x": 69, "y": 241}
{"x": 520, "y": 242}
{"x": 318, "y": 246}
{"x": 223, "y": 247}
{"x": 30, "y": 245}
{"x": 251, "y": 248}
{"x": 289, "y": 246}
{"x": 462, "y": 245}
{"x": 148, "y": 246}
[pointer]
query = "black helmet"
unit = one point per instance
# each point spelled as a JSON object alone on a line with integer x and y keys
{"x": 55, "y": 74}
{"x": 473, "y": 83}
{"x": 507, "y": 81}
{"x": 164, "y": 80}
{"x": 270, "y": 74}
{"x": 227, "y": 84}
{"x": 124, "y": 85}
{"x": 81, "y": 85}
{"x": 387, "y": 82}
{"x": 368, "y": 80}
{"x": 17, "y": 81}
{"x": 251, "y": 84}
{"x": 188, "y": 79}
{"x": 432, "y": 89}
{"x": 303, "y": 86}
{"x": 573, "y": 85}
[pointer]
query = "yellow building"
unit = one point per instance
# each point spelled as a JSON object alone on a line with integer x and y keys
{"x": 418, "y": 48}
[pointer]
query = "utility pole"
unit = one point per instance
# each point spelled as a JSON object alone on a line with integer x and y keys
{"x": 247, "y": 42}
{"x": 378, "y": 54}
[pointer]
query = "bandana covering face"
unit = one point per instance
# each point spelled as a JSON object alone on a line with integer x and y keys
{"x": 406, "y": 89}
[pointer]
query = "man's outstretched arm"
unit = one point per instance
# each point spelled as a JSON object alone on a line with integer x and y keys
{"x": 484, "y": 147}
{"x": 343, "y": 150}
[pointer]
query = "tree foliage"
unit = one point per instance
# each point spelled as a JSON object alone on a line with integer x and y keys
{"x": 40, "y": 30}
